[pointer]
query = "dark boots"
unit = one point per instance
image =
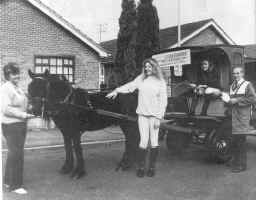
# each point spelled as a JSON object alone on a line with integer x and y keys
{"x": 152, "y": 161}
{"x": 141, "y": 159}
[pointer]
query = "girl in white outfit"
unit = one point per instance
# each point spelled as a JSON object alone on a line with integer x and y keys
{"x": 152, "y": 102}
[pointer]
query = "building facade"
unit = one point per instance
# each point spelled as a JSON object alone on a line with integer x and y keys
{"x": 37, "y": 38}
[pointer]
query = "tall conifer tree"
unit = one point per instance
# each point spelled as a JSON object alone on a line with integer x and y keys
{"x": 147, "y": 41}
{"x": 125, "y": 65}
{"x": 138, "y": 39}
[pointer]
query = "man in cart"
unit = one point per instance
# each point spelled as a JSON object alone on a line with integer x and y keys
{"x": 242, "y": 97}
{"x": 207, "y": 76}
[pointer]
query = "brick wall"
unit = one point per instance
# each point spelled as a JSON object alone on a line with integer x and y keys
{"x": 25, "y": 32}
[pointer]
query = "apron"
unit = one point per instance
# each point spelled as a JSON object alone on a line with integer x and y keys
{"x": 240, "y": 114}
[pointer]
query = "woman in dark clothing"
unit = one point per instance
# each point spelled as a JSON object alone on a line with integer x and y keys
{"x": 207, "y": 76}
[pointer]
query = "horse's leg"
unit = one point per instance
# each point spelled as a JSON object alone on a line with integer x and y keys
{"x": 130, "y": 131}
{"x": 79, "y": 171}
{"x": 69, "y": 162}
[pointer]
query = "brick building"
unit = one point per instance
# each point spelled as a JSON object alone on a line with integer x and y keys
{"x": 37, "y": 38}
{"x": 205, "y": 32}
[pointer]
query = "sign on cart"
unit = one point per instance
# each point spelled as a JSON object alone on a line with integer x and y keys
{"x": 175, "y": 58}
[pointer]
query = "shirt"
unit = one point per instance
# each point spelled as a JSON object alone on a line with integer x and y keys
{"x": 210, "y": 78}
{"x": 238, "y": 85}
{"x": 13, "y": 103}
{"x": 152, "y": 97}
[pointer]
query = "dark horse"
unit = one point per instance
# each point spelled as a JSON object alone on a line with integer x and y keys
{"x": 74, "y": 111}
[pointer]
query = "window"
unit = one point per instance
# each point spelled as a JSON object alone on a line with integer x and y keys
{"x": 102, "y": 74}
{"x": 237, "y": 58}
{"x": 56, "y": 65}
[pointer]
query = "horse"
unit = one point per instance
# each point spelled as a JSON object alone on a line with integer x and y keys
{"x": 73, "y": 110}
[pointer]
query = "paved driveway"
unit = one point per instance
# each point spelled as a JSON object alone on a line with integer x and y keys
{"x": 188, "y": 176}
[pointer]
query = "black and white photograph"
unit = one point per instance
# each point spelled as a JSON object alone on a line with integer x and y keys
{"x": 128, "y": 99}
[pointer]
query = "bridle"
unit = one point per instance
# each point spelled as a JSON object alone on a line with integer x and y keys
{"x": 45, "y": 99}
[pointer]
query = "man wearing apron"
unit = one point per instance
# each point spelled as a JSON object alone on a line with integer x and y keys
{"x": 242, "y": 97}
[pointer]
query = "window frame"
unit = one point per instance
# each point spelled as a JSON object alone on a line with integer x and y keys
{"x": 63, "y": 58}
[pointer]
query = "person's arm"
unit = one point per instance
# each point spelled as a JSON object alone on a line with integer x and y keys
{"x": 131, "y": 86}
{"x": 163, "y": 98}
{"x": 250, "y": 96}
{"x": 127, "y": 88}
{"x": 8, "y": 109}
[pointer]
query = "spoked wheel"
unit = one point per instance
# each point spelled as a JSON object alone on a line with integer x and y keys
{"x": 176, "y": 141}
{"x": 222, "y": 142}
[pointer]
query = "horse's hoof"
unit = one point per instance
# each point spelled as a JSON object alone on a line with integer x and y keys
{"x": 77, "y": 175}
{"x": 65, "y": 170}
{"x": 126, "y": 167}
{"x": 80, "y": 174}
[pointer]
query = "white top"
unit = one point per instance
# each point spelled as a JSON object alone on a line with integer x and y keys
{"x": 242, "y": 85}
{"x": 152, "y": 99}
{"x": 13, "y": 103}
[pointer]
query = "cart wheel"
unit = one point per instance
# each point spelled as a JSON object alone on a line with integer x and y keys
{"x": 176, "y": 141}
{"x": 222, "y": 144}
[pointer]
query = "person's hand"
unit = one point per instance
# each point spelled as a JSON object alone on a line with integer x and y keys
{"x": 233, "y": 101}
{"x": 112, "y": 95}
{"x": 225, "y": 97}
{"x": 202, "y": 86}
{"x": 29, "y": 116}
{"x": 192, "y": 85}
{"x": 157, "y": 124}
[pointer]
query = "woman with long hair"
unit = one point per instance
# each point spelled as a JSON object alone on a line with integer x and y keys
{"x": 152, "y": 102}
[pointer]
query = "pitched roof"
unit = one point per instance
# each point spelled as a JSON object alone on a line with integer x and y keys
{"x": 69, "y": 27}
{"x": 168, "y": 36}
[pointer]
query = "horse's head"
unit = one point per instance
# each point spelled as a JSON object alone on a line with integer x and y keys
{"x": 46, "y": 91}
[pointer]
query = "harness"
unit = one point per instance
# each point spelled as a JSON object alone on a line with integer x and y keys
{"x": 45, "y": 99}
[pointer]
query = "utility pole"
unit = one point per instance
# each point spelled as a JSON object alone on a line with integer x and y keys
{"x": 102, "y": 29}
{"x": 179, "y": 22}
{"x": 255, "y": 21}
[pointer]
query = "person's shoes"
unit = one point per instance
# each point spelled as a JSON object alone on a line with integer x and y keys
{"x": 238, "y": 169}
{"x": 20, "y": 191}
{"x": 140, "y": 172}
{"x": 151, "y": 172}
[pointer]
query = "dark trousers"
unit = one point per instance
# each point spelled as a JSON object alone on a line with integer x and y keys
{"x": 239, "y": 151}
{"x": 15, "y": 135}
{"x": 205, "y": 105}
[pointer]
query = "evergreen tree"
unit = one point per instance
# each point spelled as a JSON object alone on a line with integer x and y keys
{"x": 147, "y": 42}
{"x": 125, "y": 65}
{"x": 138, "y": 38}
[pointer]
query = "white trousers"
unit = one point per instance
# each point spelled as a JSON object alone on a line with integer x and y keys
{"x": 149, "y": 129}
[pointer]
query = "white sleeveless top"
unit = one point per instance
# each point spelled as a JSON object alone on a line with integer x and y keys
{"x": 241, "y": 89}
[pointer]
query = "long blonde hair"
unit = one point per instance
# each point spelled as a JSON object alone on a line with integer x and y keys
{"x": 156, "y": 70}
